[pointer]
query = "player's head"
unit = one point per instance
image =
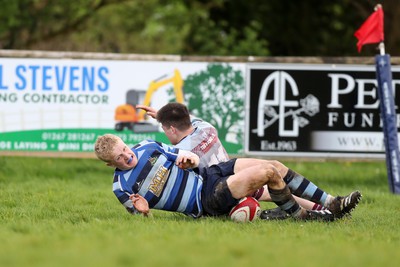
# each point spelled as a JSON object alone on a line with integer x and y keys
{"x": 174, "y": 119}
{"x": 112, "y": 150}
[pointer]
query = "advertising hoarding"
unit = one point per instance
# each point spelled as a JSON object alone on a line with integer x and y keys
{"x": 62, "y": 105}
{"x": 314, "y": 110}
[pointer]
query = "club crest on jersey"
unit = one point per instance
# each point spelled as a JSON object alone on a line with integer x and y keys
{"x": 158, "y": 181}
{"x": 153, "y": 160}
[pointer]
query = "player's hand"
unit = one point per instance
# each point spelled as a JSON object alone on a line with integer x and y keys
{"x": 152, "y": 112}
{"x": 140, "y": 204}
{"x": 187, "y": 161}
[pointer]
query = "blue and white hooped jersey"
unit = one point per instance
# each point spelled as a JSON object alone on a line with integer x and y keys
{"x": 156, "y": 177}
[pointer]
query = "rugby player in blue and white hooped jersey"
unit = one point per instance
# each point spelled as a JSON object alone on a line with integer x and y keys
{"x": 150, "y": 169}
{"x": 154, "y": 175}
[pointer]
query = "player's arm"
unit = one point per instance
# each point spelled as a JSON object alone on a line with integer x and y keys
{"x": 124, "y": 196}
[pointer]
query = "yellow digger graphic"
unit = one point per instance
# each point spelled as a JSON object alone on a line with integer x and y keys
{"x": 127, "y": 116}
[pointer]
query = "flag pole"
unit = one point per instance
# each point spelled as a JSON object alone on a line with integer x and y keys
{"x": 388, "y": 115}
{"x": 381, "y": 45}
{"x": 371, "y": 32}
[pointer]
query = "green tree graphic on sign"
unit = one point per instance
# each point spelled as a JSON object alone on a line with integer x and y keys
{"x": 217, "y": 96}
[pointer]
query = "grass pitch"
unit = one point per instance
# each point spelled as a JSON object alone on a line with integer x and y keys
{"x": 62, "y": 212}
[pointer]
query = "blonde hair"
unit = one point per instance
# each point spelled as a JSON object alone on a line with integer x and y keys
{"x": 104, "y": 146}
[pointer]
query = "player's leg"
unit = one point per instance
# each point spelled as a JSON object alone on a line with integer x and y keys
{"x": 298, "y": 184}
{"x": 246, "y": 180}
{"x": 304, "y": 188}
{"x": 307, "y": 192}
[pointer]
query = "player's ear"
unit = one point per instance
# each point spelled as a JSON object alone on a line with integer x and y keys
{"x": 173, "y": 129}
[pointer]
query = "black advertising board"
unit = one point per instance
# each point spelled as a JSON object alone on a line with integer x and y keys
{"x": 314, "y": 110}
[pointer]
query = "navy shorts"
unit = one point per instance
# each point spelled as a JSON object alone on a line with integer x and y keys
{"x": 216, "y": 197}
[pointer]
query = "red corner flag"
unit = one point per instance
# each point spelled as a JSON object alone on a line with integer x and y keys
{"x": 372, "y": 29}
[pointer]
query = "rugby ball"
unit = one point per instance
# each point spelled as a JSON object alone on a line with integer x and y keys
{"x": 247, "y": 210}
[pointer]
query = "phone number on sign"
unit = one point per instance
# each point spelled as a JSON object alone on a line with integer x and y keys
{"x": 54, "y": 136}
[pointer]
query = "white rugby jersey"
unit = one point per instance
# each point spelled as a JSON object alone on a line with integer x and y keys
{"x": 204, "y": 142}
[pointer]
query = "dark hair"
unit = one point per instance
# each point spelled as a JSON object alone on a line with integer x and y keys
{"x": 174, "y": 114}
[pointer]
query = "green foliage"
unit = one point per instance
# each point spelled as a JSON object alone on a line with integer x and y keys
{"x": 62, "y": 212}
{"x": 139, "y": 27}
{"x": 28, "y": 22}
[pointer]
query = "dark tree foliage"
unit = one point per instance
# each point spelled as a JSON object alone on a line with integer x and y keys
{"x": 195, "y": 27}
{"x": 299, "y": 28}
